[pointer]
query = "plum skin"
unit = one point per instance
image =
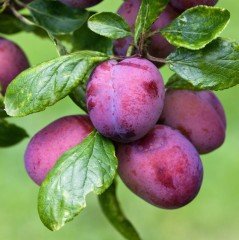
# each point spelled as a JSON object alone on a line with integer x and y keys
{"x": 158, "y": 46}
{"x": 12, "y": 60}
{"x": 80, "y": 3}
{"x": 123, "y": 98}
{"x": 198, "y": 115}
{"x": 163, "y": 168}
{"x": 52, "y": 141}
{"x": 185, "y": 4}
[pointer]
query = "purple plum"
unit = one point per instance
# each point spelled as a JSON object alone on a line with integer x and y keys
{"x": 12, "y": 60}
{"x": 51, "y": 142}
{"x": 158, "y": 45}
{"x": 80, "y": 3}
{"x": 185, "y": 4}
{"x": 163, "y": 168}
{"x": 198, "y": 115}
{"x": 123, "y": 98}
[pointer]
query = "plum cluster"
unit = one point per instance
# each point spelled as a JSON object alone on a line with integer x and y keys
{"x": 159, "y": 133}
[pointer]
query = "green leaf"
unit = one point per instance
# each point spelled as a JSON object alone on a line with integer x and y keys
{"x": 3, "y": 113}
{"x": 11, "y": 25}
{"x": 214, "y": 67}
{"x": 78, "y": 97}
{"x": 197, "y": 27}
{"x": 85, "y": 39}
{"x": 112, "y": 210}
{"x": 148, "y": 13}
{"x": 89, "y": 167}
{"x": 109, "y": 24}
{"x": 57, "y": 17}
{"x": 44, "y": 85}
{"x": 176, "y": 82}
{"x": 10, "y": 134}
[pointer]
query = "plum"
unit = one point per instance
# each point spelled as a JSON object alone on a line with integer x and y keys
{"x": 51, "y": 142}
{"x": 158, "y": 46}
{"x": 80, "y": 3}
{"x": 123, "y": 98}
{"x": 163, "y": 168}
{"x": 12, "y": 60}
{"x": 185, "y": 4}
{"x": 198, "y": 115}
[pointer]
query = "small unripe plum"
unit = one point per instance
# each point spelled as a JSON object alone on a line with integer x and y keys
{"x": 46, "y": 147}
{"x": 12, "y": 61}
{"x": 163, "y": 168}
{"x": 185, "y": 4}
{"x": 158, "y": 46}
{"x": 123, "y": 98}
{"x": 198, "y": 115}
{"x": 80, "y": 3}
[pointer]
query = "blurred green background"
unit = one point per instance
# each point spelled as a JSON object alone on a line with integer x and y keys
{"x": 214, "y": 214}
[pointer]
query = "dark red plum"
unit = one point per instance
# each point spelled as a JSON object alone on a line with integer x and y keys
{"x": 123, "y": 98}
{"x": 51, "y": 142}
{"x": 158, "y": 45}
{"x": 185, "y": 4}
{"x": 163, "y": 168}
{"x": 12, "y": 61}
{"x": 198, "y": 115}
{"x": 80, "y": 3}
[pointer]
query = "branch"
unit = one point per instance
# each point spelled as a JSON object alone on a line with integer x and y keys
{"x": 154, "y": 59}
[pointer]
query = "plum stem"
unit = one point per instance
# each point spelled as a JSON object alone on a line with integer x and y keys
{"x": 154, "y": 59}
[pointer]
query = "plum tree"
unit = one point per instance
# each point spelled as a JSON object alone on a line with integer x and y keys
{"x": 158, "y": 46}
{"x": 122, "y": 98}
{"x": 198, "y": 115}
{"x": 12, "y": 60}
{"x": 185, "y": 4}
{"x": 163, "y": 168}
{"x": 51, "y": 142}
{"x": 80, "y": 3}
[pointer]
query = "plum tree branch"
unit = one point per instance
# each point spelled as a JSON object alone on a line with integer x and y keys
{"x": 21, "y": 3}
{"x": 154, "y": 59}
{"x": 21, "y": 17}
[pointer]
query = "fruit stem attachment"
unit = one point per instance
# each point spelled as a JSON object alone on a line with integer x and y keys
{"x": 154, "y": 59}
